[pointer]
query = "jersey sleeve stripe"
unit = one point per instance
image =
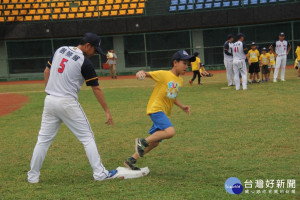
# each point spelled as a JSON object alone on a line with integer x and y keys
{"x": 49, "y": 63}
{"x": 91, "y": 79}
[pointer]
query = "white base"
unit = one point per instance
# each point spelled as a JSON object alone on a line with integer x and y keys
{"x": 125, "y": 173}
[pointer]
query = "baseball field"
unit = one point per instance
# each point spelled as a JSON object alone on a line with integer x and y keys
{"x": 251, "y": 135}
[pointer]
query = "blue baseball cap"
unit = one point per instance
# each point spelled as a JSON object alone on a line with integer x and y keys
{"x": 183, "y": 55}
{"x": 230, "y": 36}
{"x": 239, "y": 35}
{"x": 94, "y": 40}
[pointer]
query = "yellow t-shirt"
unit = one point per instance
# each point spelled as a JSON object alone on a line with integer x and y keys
{"x": 167, "y": 86}
{"x": 272, "y": 58}
{"x": 195, "y": 65}
{"x": 298, "y": 53}
{"x": 202, "y": 69}
{"x": 254, "y": 55}
{"x": 264, "y": 59}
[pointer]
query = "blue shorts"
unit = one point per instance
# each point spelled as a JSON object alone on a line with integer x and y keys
{"x": 160, "y": 122}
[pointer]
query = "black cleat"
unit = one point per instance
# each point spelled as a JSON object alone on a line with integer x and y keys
{"x": 130, "y": 163}
{"x": 140, "y": 145}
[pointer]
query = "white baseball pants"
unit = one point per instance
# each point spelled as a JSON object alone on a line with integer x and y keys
{"x": 69, "y": 111}
{"x": 280, "y": 61}
{"x": 229, "y": 71}
{"x": 239, "y": 66}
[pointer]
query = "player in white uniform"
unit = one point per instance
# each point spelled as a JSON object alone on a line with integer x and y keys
{"x": 282, "y": 49}
{"x": 228, "y": 59}
{"x": 64, "y": 75}
{"x": 239, "y": 65}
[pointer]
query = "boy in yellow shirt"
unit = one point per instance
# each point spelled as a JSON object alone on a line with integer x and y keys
{"x": 264, "y": 62}
{"x": 195, "y": 68}
{"x": 164, "y": 96}
{"x": 297, "y": 53}
{"x": 253, "y": 54}
{"x": 272, "y": 61}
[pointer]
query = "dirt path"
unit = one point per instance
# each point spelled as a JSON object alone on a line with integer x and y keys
{"x": 11, "y": 102}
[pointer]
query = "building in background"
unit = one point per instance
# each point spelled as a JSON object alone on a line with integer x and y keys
{"x": 143, "y": 33}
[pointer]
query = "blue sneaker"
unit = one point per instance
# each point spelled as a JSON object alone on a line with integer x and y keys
{"x": 112, "y": 174}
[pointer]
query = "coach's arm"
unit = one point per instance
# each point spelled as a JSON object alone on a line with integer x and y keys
{"x": 101, "y": 99}
{"x": 46, "y": 75}
{"x": 47, "y": 71}
{"x": 289, "y": 49}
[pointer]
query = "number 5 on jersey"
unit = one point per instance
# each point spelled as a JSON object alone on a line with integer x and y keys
{"x": 62, "y": 65}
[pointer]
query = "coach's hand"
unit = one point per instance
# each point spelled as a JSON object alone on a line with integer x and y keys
{"x": 187, "y": 110}
{"x": 109, "y": 119}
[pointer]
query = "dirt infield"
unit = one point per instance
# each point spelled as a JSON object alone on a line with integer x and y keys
{"x": 11, "y": 102}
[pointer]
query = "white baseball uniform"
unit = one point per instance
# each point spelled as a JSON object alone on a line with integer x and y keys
{"x": 281, "y": 50}
{"x": 228, "y": 59}
{"x": 239, "y": 64}
{"x": 69, "y": 68}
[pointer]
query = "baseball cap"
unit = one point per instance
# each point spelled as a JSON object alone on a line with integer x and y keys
{"x": 253, "y": 43}
{"x": 94, "y": 40}
{"x": 281, "y": 34}
{"x": 264, "y": 49}
{"x": 230, "y": 36}
{"x": 183, "y": 55}
{"x": 239, "y": 35}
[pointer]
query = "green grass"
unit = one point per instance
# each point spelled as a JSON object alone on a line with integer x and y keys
{"x": 250, "y": 134}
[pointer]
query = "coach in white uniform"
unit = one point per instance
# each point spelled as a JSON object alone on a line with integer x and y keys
{"x": 282, "y": 49}
{"x": 239, "y": 64}
{"x": 64, "y": 75}
{"x": 228, "y": 59}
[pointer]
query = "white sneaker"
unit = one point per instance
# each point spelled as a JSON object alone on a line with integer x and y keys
{"x": 32, "y": 181}
{"x": 33, "y": 177}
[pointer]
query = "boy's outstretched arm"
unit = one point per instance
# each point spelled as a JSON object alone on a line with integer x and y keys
{"x": 140, "y": 75}
{"x": 185, "y": 108}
